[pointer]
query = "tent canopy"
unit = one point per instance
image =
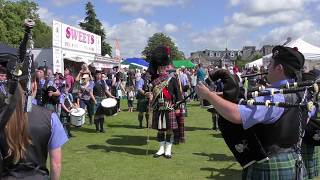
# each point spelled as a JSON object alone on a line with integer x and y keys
{"x": 137, "y": 62}
{"x": 258, "y": 63}
{"x": 310, "y": 52}
{"x": 185, "y": 63}
{"x": 5, "y": 49}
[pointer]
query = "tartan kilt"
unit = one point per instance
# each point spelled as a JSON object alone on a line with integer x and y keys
{"x": 170, "y": 117}
{"x": 180, "y": 120}
{"x": 311, "y": 158}
{"x": 281, "y": 166}
{"x": 97, "y": 108}
{"x": 142, "y": 105}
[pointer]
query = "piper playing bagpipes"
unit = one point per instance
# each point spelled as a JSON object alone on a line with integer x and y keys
{"x": 164, "y": 96}
{"x": 278, "y": 129}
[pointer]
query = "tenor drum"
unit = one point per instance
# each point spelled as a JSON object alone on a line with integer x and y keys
{"x": 77, "y": 116}
{"x": 109, "y": 106}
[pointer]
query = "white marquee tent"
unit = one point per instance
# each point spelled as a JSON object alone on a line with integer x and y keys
{"x": 310, "y": 52}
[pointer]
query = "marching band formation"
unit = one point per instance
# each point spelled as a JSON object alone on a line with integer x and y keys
{"x": 271, "y": 126}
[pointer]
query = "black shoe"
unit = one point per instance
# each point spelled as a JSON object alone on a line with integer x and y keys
{"x": 168, "y": 156}
{"x": 70, "y": 135}
{"x": 157, "y": 155}
{"x": 97, "y": 131}
{"x": 176, "y": 142}
{"x": 102, "y": 131}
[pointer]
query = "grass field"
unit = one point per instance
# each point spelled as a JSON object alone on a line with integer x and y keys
{"x": 120, "y": 153}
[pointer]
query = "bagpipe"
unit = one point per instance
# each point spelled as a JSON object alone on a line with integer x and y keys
{"x": 245, "y": 144}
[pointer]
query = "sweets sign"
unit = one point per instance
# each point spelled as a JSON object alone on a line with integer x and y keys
{"x": 72, "y": 38}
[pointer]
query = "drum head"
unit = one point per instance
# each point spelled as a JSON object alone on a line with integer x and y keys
{"x": 108, "y": 103}
{"x": 77, "y": 112}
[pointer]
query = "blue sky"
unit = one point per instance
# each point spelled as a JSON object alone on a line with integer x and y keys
{"x": 194, "y": 24}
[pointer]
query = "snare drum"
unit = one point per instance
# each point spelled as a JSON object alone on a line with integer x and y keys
{"x": 109, "y": 106}
{"x": 77, "y": 116}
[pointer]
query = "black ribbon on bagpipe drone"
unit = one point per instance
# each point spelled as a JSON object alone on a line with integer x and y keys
{"x": 19, "y": 66}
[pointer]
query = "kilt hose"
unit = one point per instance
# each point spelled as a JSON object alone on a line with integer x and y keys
{"x": 168, "y": 116}
{"x": 180, "y": 131}
{"x": 311, "y": 159}
{"x": 281, "y": 166}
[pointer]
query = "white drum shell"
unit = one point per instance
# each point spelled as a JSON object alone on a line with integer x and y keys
{"x": 77, "y": 116}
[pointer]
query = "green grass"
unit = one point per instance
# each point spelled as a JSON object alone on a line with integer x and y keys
{"x": 120, "y": 153}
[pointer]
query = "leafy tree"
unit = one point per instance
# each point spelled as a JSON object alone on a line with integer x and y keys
{"x": 161, "y": 39}
{"x": 12, "y": 16}
{"x": 92, "y": 24}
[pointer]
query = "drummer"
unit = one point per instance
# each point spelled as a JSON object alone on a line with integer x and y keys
{"x": 100, "y": 90}
{"x": 66, "y": 100}
{"x": 86, "y": 98}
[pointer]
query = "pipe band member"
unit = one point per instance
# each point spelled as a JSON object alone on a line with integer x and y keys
{"x": 165, "y": 95}
{"x": 141, "y": 87}
{"x": 100, "y": 91}
{"x": 278, "y": 129}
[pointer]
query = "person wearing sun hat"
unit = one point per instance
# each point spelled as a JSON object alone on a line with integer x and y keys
{"x": 86, "y": 97}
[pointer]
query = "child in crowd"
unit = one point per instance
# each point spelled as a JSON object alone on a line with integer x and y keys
{"x": 130, "y": 95}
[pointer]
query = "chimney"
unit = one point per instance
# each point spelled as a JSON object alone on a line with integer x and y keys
{"x": 289, "y": 39}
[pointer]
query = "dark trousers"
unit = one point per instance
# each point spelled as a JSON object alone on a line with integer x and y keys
{"x": 99, "y": 124}
{"x": 90, "y": 106}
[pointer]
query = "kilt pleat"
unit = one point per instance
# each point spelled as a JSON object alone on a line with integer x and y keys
{"x": 170, "y": 117}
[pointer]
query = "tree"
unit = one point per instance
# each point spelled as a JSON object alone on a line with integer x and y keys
{"x": 92, "y": 24}
{"x": 12, "y": 16}
{"x": 161, "y": 39}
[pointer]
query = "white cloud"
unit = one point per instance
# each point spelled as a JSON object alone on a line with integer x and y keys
{"x": 132, "y": 35}
{"x": 243, "y": 19}
{"x": 170, "y": 28}
{"x": 234, "y": 2}
{"x": 61, "y": 3}
{"x": 270, "y": 6}
{"x": 145, "y": 6}
{"x": 305, "y": 29}
{"x": 45, "y": 15}
{"x": 318, "y": 7}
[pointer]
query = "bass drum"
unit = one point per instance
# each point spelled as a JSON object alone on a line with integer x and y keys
{"x": 109, "y": 106}
{"x": 77, "y": 117}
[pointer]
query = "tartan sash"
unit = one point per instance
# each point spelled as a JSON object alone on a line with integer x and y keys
{"x": 158, "y": 88}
